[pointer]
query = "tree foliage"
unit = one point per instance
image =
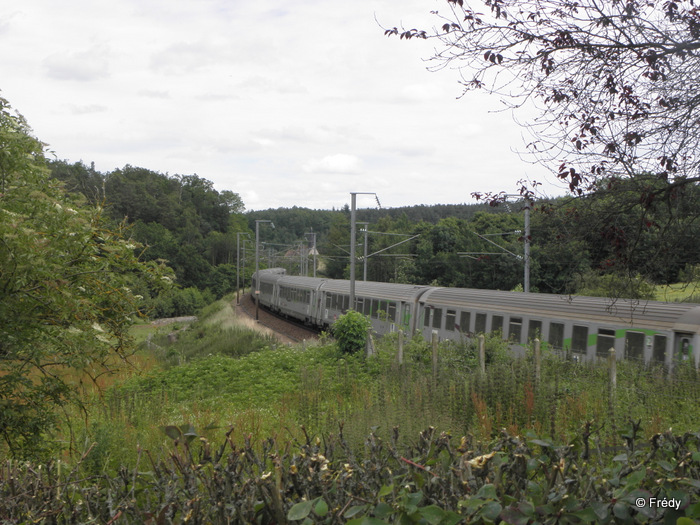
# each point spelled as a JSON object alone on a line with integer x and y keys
{"x": 180, "y": 219}
{"x": 66, "y": 297}
{"x": 614, "y": 87}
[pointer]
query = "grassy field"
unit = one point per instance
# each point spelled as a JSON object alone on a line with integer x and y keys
{"x": 294, "y": 421}
{"x": 222, "y": 378}
{"x": 678, "y": 292}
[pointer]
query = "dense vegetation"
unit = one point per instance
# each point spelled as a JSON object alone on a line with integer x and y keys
{"x": 182, "y": 220}
{"x": 212, "y": 434}
{"x": 69, "y": 284}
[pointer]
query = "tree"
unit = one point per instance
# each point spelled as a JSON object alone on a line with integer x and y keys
{"x": 350, "y": 331}
{"x": 615, "y": 85}
{"x": 65, "y": 291}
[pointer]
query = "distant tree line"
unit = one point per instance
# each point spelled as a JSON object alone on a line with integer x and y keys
{"x": 181, "y": 220}
{"x": 609, "y": 242}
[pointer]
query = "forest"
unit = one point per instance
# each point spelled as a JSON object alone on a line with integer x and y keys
{"x": 608, "y": 242}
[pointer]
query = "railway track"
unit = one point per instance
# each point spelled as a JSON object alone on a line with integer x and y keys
{"x": 286, "y": 330}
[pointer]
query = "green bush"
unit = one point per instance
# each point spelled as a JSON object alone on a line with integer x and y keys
{"x": 350, "y": 331}
{"x": 179, "y": 302}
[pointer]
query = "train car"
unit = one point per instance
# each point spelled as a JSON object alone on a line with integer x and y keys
{"x": 389, "y": 306}
{"x": 267, "y": 289}
{"x": 586, "y": 327}
{"x": 299, "y": 298}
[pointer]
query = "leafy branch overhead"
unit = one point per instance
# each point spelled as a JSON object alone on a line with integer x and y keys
{"x": 615, "y": 84}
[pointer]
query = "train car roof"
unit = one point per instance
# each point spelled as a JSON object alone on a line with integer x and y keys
{"x": 389, "y": 291}
{"x": 269, "y": 277}
{"x": 641, "y": 313}
{"x": 301, "y": 282}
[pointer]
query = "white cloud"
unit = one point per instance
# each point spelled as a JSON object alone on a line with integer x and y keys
{"x": 81, "y": 66}
{"x": 340, "y": 164}
{"x": 288, "y": 106}
{"x": 87, "y": 109}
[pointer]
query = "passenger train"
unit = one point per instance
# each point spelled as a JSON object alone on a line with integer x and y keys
{"x": 584, "y": 327}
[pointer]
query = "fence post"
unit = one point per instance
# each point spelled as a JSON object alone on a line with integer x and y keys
{"x": 435, "y": 351}
{"x": 369, "y": 343}
{"x": 482, "y": 354}
{"x": 538, "y": 361}
{"x": 400, "y": 347}
{"x": 612, "y": 386}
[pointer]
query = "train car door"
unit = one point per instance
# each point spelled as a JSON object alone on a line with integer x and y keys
{"x": 682, "y": 347}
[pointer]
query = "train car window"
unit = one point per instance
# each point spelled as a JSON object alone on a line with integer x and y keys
{"x": 374, "y": 309}
{"x": 367, "y": 309}
{"x": 465, "y": 322}
{"x": 497, "y": 323}
{"x": 659, "y": 354}
{"x": 437, "y": 318}
{"x": 391, "y": 312}
{"x": 359, "y": 304}
{"x": 534, "y": 330}
{"x": 606, "y": 341}
{"x": 328, "y": 300}
{"x": 426, "y": 317}
{"x": 579, "y": 339}
{"x": 450, "y": 320}
{"x": 308, "y": 297}
{"x": 480, "y": 323}
{"x": 556, "y": 335}
{"x": 634, "y": 345}
{"x": 515, "y": 329}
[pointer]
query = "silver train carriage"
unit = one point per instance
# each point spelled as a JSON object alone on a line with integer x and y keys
{"x": 586, "y": 327}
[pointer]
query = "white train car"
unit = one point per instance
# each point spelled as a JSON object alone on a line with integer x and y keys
{"x": 388, "y": 306}
{"x": 586, "y": 327}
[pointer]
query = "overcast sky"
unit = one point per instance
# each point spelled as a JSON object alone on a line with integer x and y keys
{"x": 295, "y": 103}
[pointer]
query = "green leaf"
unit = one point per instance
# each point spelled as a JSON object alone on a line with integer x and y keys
{"x": 300, "y": 511}
{"x": 385, "y": 490}
{"x": 666, "y": 465}
{"x": 588, "y": 515}
{"x": 621, "y": 510}
{"x": 172, "y": 432}
{"x": 452, "y": 518}
{"x": 492, "y": 510}
{"x": 382, "y": 510}
{"x": 432, "y": 514}
{"x": 488, "y": 491}
{"x": 635, "y": 478}
{"x": 321, "y": 508}
{"x": 354, "y": 511}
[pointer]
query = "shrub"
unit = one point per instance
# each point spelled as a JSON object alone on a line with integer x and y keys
{"x": 350, "y": 331}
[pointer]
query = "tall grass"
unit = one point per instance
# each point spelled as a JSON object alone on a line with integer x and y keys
{"x": 219, "y": 378}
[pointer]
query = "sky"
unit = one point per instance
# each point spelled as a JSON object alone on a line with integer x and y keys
{"x": 291, "y": 104}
